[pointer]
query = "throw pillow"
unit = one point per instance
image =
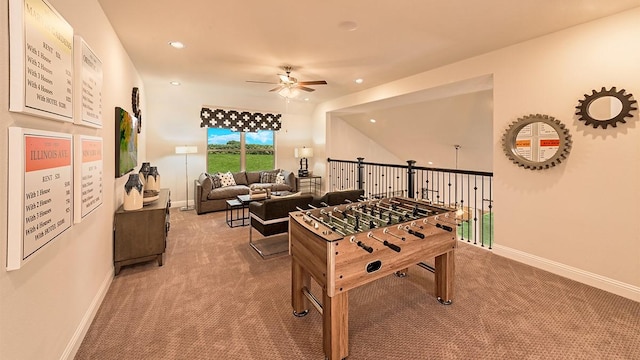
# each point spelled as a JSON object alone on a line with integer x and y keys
{"x": 279, "y": 179}
{"x": 226, "y": 179}
{"x": 268, "y": 177}
{"x": 215, "y": 181}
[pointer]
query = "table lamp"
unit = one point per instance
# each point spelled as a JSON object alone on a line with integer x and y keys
{"x": 303, "y": 154}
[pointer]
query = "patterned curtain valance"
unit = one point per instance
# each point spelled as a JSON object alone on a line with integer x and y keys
{"x": 236, "y": 120}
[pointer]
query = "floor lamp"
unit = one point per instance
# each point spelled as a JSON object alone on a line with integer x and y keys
{"x": 186, "y": 150}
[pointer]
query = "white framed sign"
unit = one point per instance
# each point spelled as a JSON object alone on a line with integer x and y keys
{"x": 40, "y": 191}
{"x": 87, "y": 179}
{"x": 88, "y": 85}
{"x": 41, "y": 60}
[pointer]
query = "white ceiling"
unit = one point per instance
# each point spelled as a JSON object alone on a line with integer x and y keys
{"x": 229, "y": 42}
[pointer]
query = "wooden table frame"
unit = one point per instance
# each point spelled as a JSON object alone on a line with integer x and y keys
{"x": 338, "y": 266}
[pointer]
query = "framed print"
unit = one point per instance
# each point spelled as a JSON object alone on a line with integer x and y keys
{"x": 41, "y": 60}
{"x": 88, "y": 180}
{"x": 88, "y": 85}
{"x": 40, "y": 191}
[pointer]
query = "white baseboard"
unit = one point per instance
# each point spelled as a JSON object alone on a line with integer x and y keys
{"x": 87, "y": 319}
{"x": 598, "y": 281}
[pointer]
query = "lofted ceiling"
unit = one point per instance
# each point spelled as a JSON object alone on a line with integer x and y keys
{"x": 230, "y": 42}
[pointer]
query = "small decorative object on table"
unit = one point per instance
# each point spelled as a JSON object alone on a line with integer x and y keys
{"x": 144, "y": 171}
{"x": 150, "y": 196}
{"x": 133, "y": 195}
{"x": 153, "y": 180}
{"x": 256, "y": 193}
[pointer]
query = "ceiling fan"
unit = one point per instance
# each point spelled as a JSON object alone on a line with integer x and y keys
{"x": 288, "y": 86}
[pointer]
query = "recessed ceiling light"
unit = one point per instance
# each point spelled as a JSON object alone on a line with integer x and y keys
{"x": 359, "y": 81}
{"x": 348, "y": 25}
{"x": 372, "y": 120}
{"x": 176, "y": 83}
{"x": 430, "y": 163}
{"x": 306, "y": 99}
{"x": 176, "y": 44}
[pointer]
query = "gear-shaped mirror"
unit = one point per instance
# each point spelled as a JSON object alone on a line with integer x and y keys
{"x": 605, "y": 107}
{"x": 537, "y": 142}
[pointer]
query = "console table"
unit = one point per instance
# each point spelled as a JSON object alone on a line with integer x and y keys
{"x": 141, "y": 235}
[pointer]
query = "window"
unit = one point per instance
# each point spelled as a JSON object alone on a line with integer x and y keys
{"x": 233, "y": 151}
{"x": 259, "y": 151}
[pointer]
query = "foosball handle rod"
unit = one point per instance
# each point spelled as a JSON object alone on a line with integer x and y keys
{"x": 414, "y": 233}
{"x": 364, "y": 246}
{"x": 391, "y": 246}
{"x": 438, "y": 225}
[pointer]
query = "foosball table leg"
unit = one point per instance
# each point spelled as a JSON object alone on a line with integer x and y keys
{"x": 335, "y": 325}
{"x": 444, "y": 274}
{"x": 300, "y": 280}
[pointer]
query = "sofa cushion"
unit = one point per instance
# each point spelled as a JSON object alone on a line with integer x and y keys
{"x": 289, "y": 179}
{"x": 240, "y": 178}
{"x": 253, "y": 177}
{"x": 227, "y": 192}
{"x": 279, "y": 179}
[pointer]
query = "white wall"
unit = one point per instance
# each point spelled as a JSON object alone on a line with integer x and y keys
{"x": 174, "y": 119}
{"x": 345, "y": 141}
{"x": 47, "y": 305}
{"x": 579, "y": 219}
{"x": 427, "y": 131}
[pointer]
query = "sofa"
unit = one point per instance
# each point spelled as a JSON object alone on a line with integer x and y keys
{"x": 210, "y": 196}
{"x": 337, "y": 197}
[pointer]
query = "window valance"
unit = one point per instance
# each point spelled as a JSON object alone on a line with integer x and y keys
{"x": 238, "y": 120}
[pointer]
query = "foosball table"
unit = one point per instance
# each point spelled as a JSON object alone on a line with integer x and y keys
{"x": 343, "y": 247}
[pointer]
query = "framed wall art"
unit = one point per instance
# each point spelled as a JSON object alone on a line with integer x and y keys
{"x": 41, "y": 60}
{"x": 88, "y": 85}
{"x": 40, "y": 191}
{"x": 88, "y": 179}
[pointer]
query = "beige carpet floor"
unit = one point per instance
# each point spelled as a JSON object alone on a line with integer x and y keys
{"x": 215, "y": 298}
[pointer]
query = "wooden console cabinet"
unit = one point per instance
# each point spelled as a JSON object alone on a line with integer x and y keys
{"x": 141, "y": 235}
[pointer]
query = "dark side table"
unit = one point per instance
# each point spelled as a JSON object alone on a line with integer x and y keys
{"x": 237, "y": 208}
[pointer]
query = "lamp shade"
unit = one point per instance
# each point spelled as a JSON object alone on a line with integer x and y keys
{"x": 304, "y": 153}
{"x": 187, "y": 149}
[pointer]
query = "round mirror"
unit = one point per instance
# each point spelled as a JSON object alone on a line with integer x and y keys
{"x": 536, "y": 142}
{"x": 605, "y": 107}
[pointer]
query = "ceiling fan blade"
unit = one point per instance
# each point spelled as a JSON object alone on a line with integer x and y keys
{"x": 316, "y": 82}
{"x": 305, "y": 88}
{"x": 277, "y": 88}
{"x": 262, "y": 82}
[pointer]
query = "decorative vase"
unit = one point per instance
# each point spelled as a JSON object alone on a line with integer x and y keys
{"x": 153, "y": 180}
{"x": 133, "y": 193}
{"x": 144, "y": 172}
